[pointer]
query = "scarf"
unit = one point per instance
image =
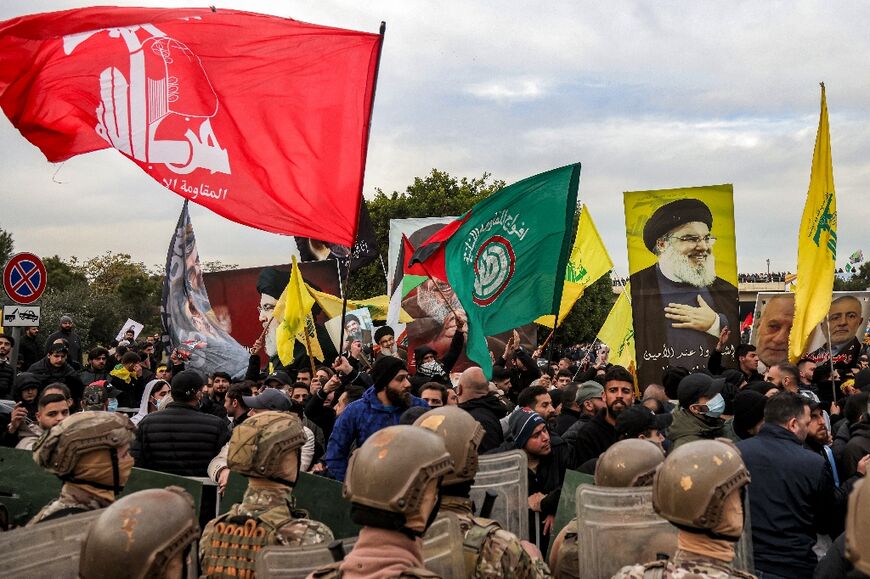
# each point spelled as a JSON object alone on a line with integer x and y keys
{"x": 381, "y": 553}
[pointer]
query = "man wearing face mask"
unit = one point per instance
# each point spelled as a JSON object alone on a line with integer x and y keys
{"x": 706, "y": 505}
{"x": 89, "y": 452}
{"x": 265, "y": 449}
{"x": 699, "y": 416}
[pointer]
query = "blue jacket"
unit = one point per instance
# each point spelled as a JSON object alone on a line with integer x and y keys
{"x": 790, "y": 497}
{"x": 360, "y": 419}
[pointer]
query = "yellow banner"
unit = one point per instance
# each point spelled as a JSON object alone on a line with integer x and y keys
{"x": 817, "y": 244}
{"x": 292, "y": 308}
{"x": 378, "y": 305}
{"x": 311, "y": 343}
{"x": 618, "y": 332}
{"x": 588, "y": 262}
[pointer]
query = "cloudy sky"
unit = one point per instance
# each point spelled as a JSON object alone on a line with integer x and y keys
{"x": 647, "y": 95}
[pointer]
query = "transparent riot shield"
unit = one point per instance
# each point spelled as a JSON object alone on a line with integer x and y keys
{"x": 48, "y": 549}
{"x": 442, "y": 547}
{"x": 278, "y": 561}
{"x": 506, "y": 473}
{"x": 743, "y": 558}
{"x": 618, "y": 527}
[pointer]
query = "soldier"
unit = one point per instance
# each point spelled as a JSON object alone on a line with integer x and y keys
{"x": 89, "y": 452}
{"x": 699, "y": 489}
{"x": 265, "y": 448}
{"x": 628, "y": 463}
{"x": 392, "y": 484}
{"x": 145, "y": 534}
{"x": 489, "y": 550}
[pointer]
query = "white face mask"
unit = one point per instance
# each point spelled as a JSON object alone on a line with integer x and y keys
{"x": 715, "y": 406}
{"x": 113, "y": 405}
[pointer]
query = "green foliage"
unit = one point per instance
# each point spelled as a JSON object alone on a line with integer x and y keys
{"x": 62, "y": 275}
{"x": 588, "y": 314}
{"x": 858, "y": 282}
{"x": 436, "y": 195}
{"x": 98, "y": 316}
{"x": 7, "y": 247}
{"x": 215, "y": 265}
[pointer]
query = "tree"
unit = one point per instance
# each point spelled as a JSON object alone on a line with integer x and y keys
{"x": 858, "y": 282}
{"x": 62, "y": 275}
{"x": 435, "y": 195}
{"x": 7, "y": 247}
{"x": 588, "y": 314}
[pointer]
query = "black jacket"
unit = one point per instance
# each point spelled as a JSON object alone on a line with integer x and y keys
{"x": 7, "y": 375}
{"x": 855, "y": 449}
{"x": 73, "y": 343}
{"x": 487, "y": 410}
{"x": 179, "y": 440}
{"x": 790, "y": 498}
{"x": 66, "y": 374}
{"x": 88, "y": 375}
{"x": 590, "y": 439}
{"x": 566, "y": 419}
{"x": 29, "y": 351}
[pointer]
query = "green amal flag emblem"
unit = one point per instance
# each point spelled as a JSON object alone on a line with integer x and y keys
{"x": 506, "y": 261}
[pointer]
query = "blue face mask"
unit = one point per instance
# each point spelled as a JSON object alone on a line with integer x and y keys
{"x": 715, "y": 406}
{"x": 113, "y": 404}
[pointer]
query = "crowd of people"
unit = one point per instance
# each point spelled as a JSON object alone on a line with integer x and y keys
{"x": 406, "y": 448}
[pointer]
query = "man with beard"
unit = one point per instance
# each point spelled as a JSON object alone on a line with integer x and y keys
{"x": 30, "y": 350}
{"x": 382, "y": 405}
{"x": 96, "y": 368}
{"x": 54, "y": 368}
{"x": 774, "y": 328}
{"x": 68, "y": 333}
{"x": 7, "y": 372}
{"x": 385, "y": 338}
{"x": 683, "y": 303}
{"x": 599, "y": 434}
{"x": 844, "y": 320}
{"x": 699, "y": 416}
{"x": 213, "y": 403}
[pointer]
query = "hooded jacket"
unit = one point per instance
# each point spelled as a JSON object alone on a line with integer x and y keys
{"x": 687, "y": 427}
{"x": 47, "y": 374}
{"x": 857, "y": 447}
{"x": 488, "y": 411}
{"x": 360, "y": 419}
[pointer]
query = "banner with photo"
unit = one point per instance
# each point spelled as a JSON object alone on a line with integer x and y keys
{"x": 847, "y": 318}
{"x": 682, "y": 263}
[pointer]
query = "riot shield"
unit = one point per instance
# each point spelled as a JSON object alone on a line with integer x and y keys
{"x": 442, "y": 547}
{"x": 506, "y": 473}
{"x": 47, "y": 549}
{"x": 618, "y": 527}
{"x": 280, "y": 562}
{"x": 743, "y": 559}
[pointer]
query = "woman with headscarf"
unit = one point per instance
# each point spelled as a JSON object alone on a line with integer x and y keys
{"x": 154, "y": 392}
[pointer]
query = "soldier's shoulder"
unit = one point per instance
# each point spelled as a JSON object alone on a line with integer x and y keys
{"x": 304, "y": 532}
{"x": 503, "y": 555}
{"x": 643, "y": 571}
{"x": 685, "y": 570}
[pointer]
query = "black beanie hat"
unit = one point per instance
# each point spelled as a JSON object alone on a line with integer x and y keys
{"x": 748, "y": 411}
{"x": 385, "y": 369}
{"x": 185, "y": 385}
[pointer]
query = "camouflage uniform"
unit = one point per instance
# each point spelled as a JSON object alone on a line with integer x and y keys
{"x": 565, "y": 559}
{"x": 262, "y": 448}
{"x": 683, "y": 566}
{"x": 490, "y": 550}
{"x": 72, "y": 499}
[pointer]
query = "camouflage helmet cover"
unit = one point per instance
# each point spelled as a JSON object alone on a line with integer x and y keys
{"x": 462, "y": 435}
{"x": 628, "y": 463}
{"x": 260, "y": 444}
{"x": 59, "y": 448}
{"x": 690, "y": 487}
{"x": 858, "y": 527}
{"x": 393, "y": 467}
{"x": 139, "y": 534}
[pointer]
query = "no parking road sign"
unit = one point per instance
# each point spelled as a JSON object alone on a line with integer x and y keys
{"x": 24, "y": 278}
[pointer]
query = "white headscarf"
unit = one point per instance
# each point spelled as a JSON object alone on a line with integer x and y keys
{"x": 146, "y": 398}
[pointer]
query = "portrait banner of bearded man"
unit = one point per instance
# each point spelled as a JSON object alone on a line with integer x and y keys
{"x": 683, "y": 271}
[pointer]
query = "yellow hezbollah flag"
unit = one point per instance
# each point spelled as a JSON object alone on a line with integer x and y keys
{"x": 589, "y": 261}
{"x": 308, "y": 336}
{"x": 378, "y": 306}
{"x": 817, "y": 244}
{"x": 291, "y": 310}
{"x": 618, "y": 332}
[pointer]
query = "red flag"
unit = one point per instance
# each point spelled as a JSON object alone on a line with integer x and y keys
{"x": 263, "y": 120}
{"x": 747, "y": 323}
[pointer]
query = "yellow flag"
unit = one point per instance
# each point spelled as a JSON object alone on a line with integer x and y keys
{"x": 817, "y": 244}
{"x": 589, "y": 261}
{"x": 308, "y": 337}
{"x": 291, "y": 310}
{"x": 378, "y": 306}
{"x": 618, "y": 332}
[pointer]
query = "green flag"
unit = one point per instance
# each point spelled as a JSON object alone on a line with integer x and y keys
{"x": 506, "y": 258}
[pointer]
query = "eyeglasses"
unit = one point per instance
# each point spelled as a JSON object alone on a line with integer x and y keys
{"x": 695, "y": 239}
{"x": 267, "y": 309}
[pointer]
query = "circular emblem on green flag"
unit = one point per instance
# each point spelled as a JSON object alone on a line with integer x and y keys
{"x": 493, "y": 269}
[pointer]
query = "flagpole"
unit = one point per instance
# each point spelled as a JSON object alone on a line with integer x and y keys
{"x": 384, "y": 269}
{"x": 305, "y": 328}
{"x": 831, "y": 360}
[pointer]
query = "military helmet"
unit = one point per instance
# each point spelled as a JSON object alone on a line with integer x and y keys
{"x": 59, "y": 449}
{"x": 392, "y": 468}
{"x": 690, "y": 487}
{"x": 858, "y": 527}
{"x": 139, "y": 534}
{"x": 628, "y": 463}
{"x": 462, "y": 435}
{"x": 260, "y": 444}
